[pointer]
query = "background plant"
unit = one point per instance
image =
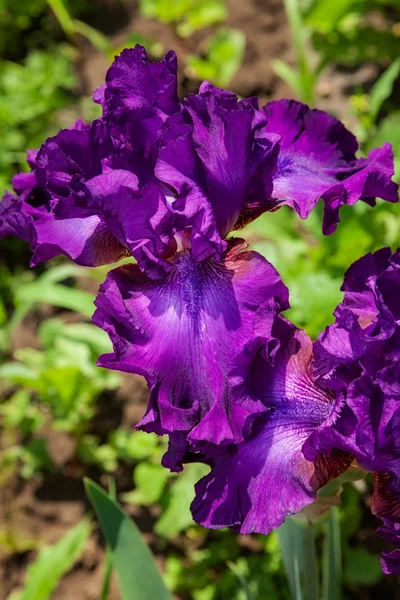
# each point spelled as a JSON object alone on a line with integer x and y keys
{"x": 55, "y": 387}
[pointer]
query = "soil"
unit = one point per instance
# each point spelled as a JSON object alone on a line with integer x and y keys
{"x": 44, "y": 509}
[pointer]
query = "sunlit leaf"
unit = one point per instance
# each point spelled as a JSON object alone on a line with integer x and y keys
{"x": 137, "y": 574}
{"x": 53, "y": 562}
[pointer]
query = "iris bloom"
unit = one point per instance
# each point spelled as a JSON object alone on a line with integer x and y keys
{"x": 165, "y": 181}
{"x": 327, "y": 403}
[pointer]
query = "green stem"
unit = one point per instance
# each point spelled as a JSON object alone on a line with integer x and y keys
{"x": 63, "y": 17}
{"x": 299, "y": 555}
{"x": 332, "y": 565}
{"x": 299, "y": 36}
{"x": 310, "y": 564}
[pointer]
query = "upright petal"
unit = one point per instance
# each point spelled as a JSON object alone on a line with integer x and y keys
{"x": 182, "y": 333}
{"x": 138, "y": 89}
{"x": 217, "y": 161}
{"x": 71, "y": 158}
{"x": 318, "y": 160}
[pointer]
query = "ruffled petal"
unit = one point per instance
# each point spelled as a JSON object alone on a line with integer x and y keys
{"x": 138, "y": 218}
{"x": 317, "y": 160}
{"x": 138, "y": 89}
{"x": 68, "y": 160}
{"x": 217, "y": 162}
{"x": 257, "y": 485}
{"x": 182, "y": 333}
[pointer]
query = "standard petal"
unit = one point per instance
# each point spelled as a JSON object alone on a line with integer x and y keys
{"x": 182, "y": 333}
{"x": 138, "y": 89}
{"x": 318, "y": 160}
{"x": 138, "y": 219}
{"x": 255, "y": 486}
{"x": 217, "y": 162}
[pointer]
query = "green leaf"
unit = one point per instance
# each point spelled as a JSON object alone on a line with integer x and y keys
{"x": 246, "y": 590}
{"x": 137, "y": 574}
{"x": 326, "y": 14}
{"x": 150, "y": 481}
{"x": 56, "y": 295}
{"x": 203, "y": 14}
{"x": 361, "y": 567}
{"x": 53, "y": 562}
{"x": 382, "y": 88}
{"x": 225, "y": 53}
{"x": 177, "y": 516}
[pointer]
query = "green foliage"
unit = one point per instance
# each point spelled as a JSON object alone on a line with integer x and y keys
{"x": 362, "y": 567}
{"x": 313, "y": 265}
{"x": 137, "y": 574}
{"x": 53, "y": 562}
{"x": 188, "y": 15}
{"x": 30, "y": 95}
{"x": 303, "y": 79}
{"x": 224, "y": 56}
{"x": 63, "y": 376}
{"x": 176, "y": 515}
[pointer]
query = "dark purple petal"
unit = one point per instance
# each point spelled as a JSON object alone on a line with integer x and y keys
{"x": 138, "y": 219}
{"x": 390, "y": 562}
{"x": 217, "y": 161}
{"x": 255, "y": 486}
{"x": 124, "y": 220}
{"x": 317, "y": 160}
{"x": 182, "y": 333}
{"x": 71, "y": 158}
{"x": 138, "y": 89}
{"x": 14, "y": 220}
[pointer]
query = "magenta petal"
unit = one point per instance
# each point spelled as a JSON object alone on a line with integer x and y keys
{"x": 255, "y": 486}
{"x": 317, "y": 160}
{"x": 182, "y": 333}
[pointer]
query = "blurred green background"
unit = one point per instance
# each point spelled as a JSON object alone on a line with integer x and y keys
{"x": 63, "y": 418}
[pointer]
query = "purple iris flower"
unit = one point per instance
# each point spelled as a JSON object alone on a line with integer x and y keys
{"x": 153, "y": 167}
{"x": 183, "y": 333}
{"x": 232, "y": 383}
{"x": 359, "y": 357}
{"x": 327, "y": 403}
{"x": 255, "y": 485}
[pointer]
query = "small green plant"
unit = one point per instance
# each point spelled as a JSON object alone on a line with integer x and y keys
{"x": 223, "y": 58}
{"x": 52, "y": 563}
{"x": 186, "y": 15}
{"x": 30, "y": 96}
